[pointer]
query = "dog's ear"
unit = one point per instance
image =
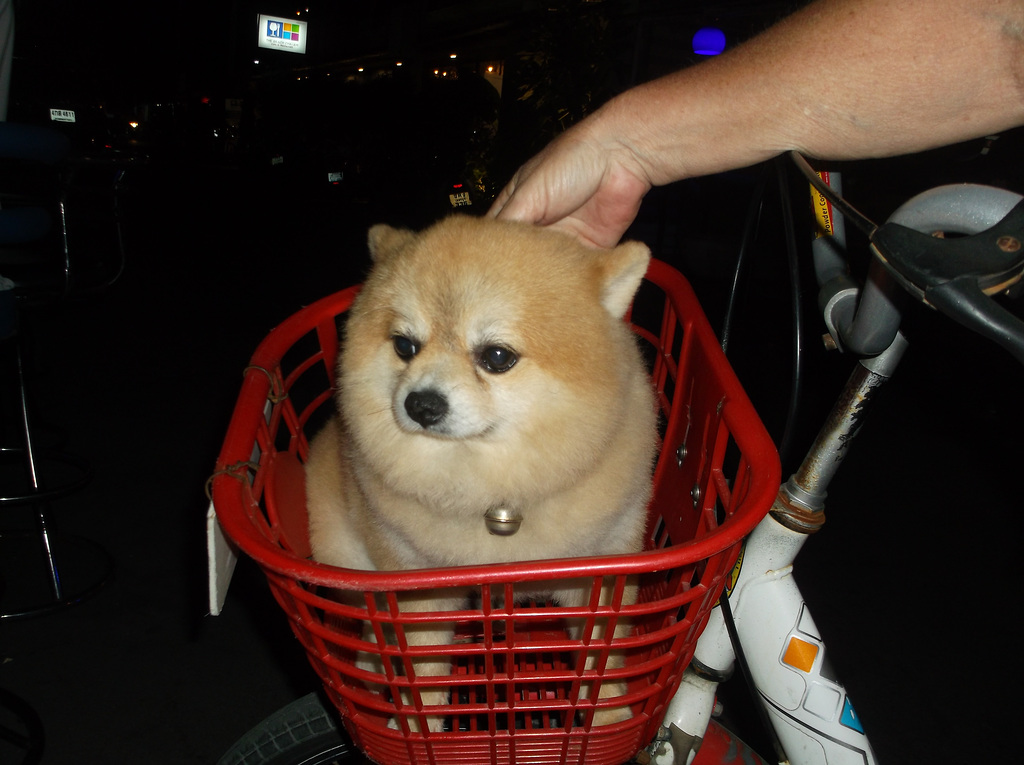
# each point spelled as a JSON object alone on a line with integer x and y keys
{"x": 622, "y": 270}
{"x": 384, "y": 241}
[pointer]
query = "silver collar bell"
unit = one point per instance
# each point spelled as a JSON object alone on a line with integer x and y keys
{"x": 503, "y": 521}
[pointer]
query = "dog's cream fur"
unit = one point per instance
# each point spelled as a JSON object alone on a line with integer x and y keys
{"x": 565, "y": 436}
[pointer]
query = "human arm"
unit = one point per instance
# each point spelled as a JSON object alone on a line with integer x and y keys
{"x": 840, "y": 79}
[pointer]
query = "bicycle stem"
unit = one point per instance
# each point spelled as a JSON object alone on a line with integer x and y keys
{"x": 803, "y": 495}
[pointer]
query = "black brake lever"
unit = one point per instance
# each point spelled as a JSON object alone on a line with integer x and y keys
{"x": 958, "y": 275}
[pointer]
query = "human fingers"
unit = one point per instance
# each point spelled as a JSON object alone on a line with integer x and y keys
{"x": 528, "y": 196}
{"x": 551, "y": 184}
{"x": 595, "y": 207}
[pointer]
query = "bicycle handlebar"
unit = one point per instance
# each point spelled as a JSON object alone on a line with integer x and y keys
{"x": 957, "y": 276}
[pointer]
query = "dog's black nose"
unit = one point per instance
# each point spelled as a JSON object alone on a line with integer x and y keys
{"x": 427, "y": 407}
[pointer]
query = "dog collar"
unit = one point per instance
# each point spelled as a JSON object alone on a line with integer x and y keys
{"x": 503, "y": 521}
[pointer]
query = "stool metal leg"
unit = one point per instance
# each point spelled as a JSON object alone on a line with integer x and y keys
{"x": 73, "y": 567}
{"x": 30, "y": 463}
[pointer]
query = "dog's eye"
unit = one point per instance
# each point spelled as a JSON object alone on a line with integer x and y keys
{"x": 496, "y": 359}
{"x": 405, "y": 347}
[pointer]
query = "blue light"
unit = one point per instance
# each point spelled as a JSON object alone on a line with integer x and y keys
{"x": 709, "y": 41}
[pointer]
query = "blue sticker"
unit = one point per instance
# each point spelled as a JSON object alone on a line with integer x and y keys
{"x": 849, "y": 717}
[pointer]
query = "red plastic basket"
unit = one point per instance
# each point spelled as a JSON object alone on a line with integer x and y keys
{"x": 518, "y": 676}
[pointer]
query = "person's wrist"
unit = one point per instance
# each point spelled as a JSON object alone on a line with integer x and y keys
{"x": 620, "y": 140}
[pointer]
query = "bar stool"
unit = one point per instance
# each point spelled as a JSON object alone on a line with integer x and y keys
{"x": 41, "y": 569}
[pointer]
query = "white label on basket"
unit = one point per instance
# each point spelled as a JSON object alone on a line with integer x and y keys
{"x": 221, "y": 558}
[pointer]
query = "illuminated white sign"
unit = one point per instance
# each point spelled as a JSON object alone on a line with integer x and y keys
{"x": 278, "y": 33}
{"x": 62, "y": 115}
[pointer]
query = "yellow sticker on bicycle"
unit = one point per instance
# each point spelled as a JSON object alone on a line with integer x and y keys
{"x": 734, "y": 575}
{"x": 822, "y": 210}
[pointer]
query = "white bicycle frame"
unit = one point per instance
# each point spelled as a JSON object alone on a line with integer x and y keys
{"x": 807, "y": 705}
{"x": 812, "y": 716}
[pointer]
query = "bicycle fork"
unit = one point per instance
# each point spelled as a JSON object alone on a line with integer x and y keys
{"x": 807, "y": 705}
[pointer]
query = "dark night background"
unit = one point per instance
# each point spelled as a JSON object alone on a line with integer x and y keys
{"x": 230, "y": 224}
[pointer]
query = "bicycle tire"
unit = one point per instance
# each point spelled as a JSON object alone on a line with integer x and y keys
{"x": 303, "y": 733}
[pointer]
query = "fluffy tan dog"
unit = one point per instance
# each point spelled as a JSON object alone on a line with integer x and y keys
{"x": 494, "y": 408}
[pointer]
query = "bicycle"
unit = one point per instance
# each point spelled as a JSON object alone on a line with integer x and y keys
{"x": 516, "y": 676}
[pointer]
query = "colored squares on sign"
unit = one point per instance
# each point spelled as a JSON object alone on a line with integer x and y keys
{"x": 800, "y": 654}
{"x": 283, "y": 30}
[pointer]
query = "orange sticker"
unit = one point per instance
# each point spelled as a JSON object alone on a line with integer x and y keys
{"x": 800, "y": 654}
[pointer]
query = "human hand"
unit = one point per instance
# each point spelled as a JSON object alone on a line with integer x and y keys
{"x": 580, "y": 184}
